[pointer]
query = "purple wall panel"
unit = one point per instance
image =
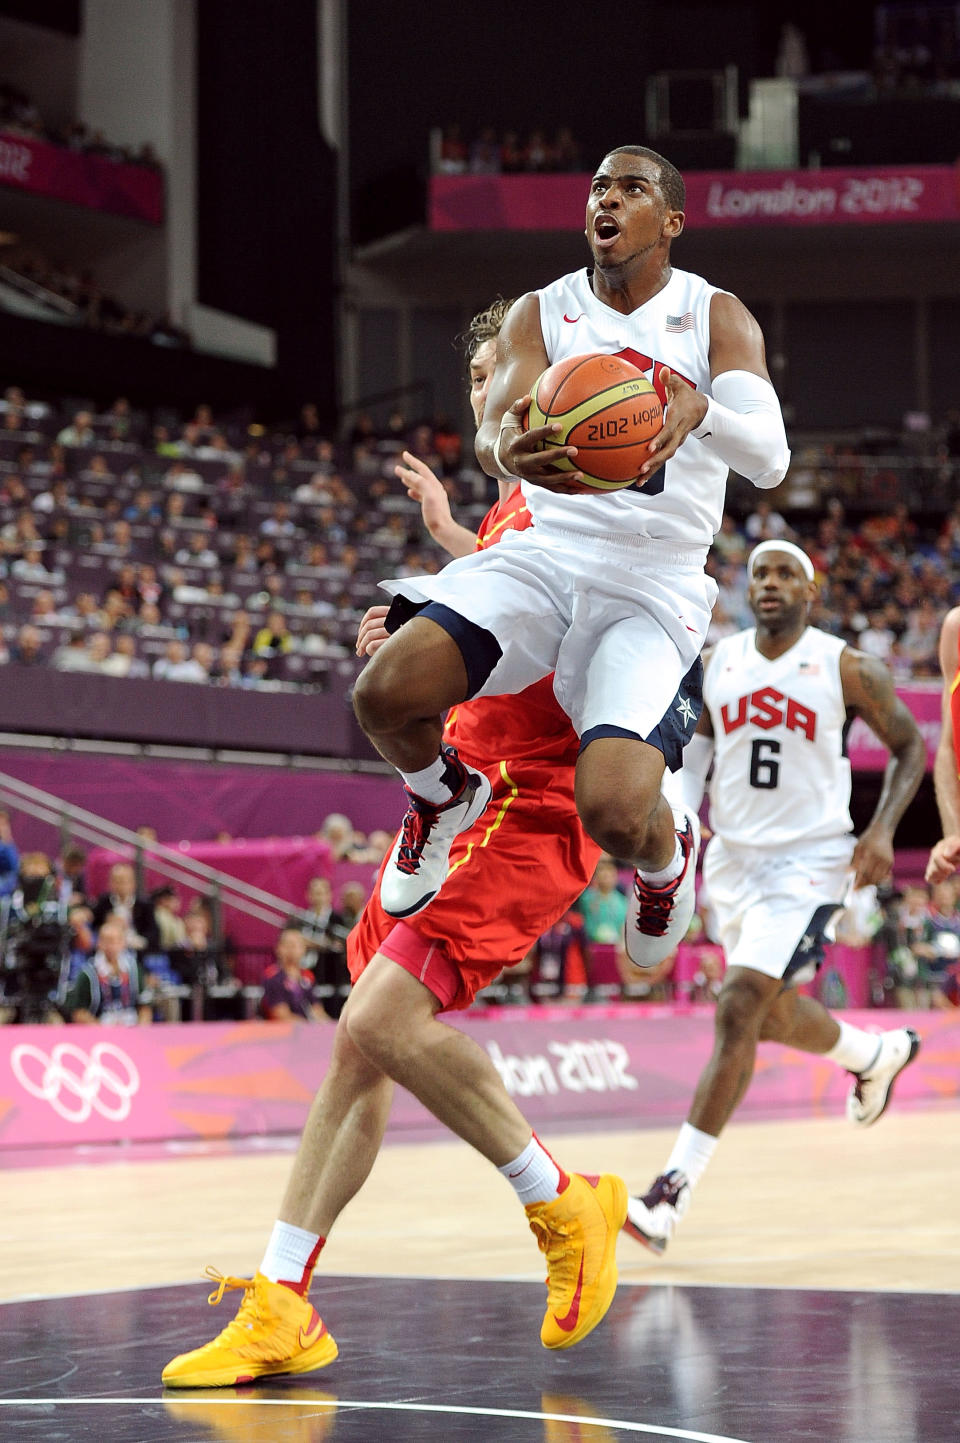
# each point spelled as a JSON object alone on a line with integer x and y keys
{"x": 193, "y": 801}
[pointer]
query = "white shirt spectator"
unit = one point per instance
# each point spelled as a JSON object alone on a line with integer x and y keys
{"x": 187, "y": 670}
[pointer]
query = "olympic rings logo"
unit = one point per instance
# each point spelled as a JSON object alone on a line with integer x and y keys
{"x": 76, "y": 1085}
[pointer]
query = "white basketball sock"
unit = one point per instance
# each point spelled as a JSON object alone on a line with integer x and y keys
{"x": 437, "y": 782}
{"x": 854, "y": 1050}
{"x": 291, "y": 1256}
{"x": 666, "y": 874}
{"x": 533, "y": 1175}
{"x": 691, "y": 1153}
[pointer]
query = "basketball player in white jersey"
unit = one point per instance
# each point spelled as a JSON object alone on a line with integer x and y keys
{"x": 608, "y": 592}
{"x": 782, "y": 857}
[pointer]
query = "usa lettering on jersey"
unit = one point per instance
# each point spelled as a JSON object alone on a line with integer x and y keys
{"x": 767, "y": 708}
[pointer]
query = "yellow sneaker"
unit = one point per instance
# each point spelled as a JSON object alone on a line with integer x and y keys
{"x": 577, "y": 1234}
{"x": 275, "y": 1331}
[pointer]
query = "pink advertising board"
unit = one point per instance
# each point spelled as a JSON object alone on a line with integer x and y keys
{"x": 91, "y": 180}
{"x": 631, "y": 1065}
{"x": 864, "y": 195}
{"x": 867, "y": 754}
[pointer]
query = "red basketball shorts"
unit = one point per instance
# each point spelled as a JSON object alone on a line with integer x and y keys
{"x": 524, "y": 861}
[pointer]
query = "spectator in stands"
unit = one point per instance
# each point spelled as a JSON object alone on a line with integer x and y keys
{"x": 72, "y": 654}
{"x": 72, "y": 870}
{"x": 99, "y": 654}
{"x": 9, "y": 857}
{"x": 273, "y": 642}
{"x": 79, "y": 433}
{"x": 197, "y": 552}
{"x": 125, "y": 661}
{"x": 30, "y": 566}
{"x": 28, "y": 648}
{"x": 177, "y": 665}
{"x": 171, "y": 929}
{"x": 57, "y": 498}
{"x": 121, "y": 899}
{"x": 288, "y": 986}
{"x": 279, "y": 522}
{"x": 353, "y": 899}
{"x": 326, "y": 933}
{"x": 315, "y": 492}
{"x": 551, "y": 955}
{"x": 339, "y": 834}
{"x": 108, "y": 988}
{"x": 603, "y": 907}
{"x": 143, "y": 510}
{"x": 765, "y": 524}
{"x": 229, "y": 668}
{"x": 196, "y": 958}
{"x": 181, "y": 478}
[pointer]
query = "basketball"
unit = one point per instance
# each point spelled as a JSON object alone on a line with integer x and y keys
{"x": 607, "y": 409}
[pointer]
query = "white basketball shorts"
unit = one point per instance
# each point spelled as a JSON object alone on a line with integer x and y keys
{"x": 619, "y": 620}
{"x": 774, "y": 911}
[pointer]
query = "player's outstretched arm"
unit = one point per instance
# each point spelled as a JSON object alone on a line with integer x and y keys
{"x": 945, "y": 855}
{"x": 868, "y": 691}
{"x": 425, "y": 487}
{"x": 503, "y": 448}
{"x": 742, "y": 422}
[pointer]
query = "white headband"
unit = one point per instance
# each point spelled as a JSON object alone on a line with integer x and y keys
{"x": 789, "y": 548}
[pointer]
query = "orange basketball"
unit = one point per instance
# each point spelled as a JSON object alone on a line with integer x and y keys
{"x": 607, "y": 409}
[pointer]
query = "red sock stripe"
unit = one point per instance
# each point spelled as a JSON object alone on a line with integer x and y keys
{"x": 564, "y": 1182}
{"x": 302, "y": 1286}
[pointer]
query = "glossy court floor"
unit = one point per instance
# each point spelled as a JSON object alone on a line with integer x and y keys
{"x": 813, "y": 1293}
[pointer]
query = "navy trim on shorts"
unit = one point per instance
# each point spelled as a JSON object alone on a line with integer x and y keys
{"x": 479, "y": 647}
{"x": 596, "y": 734}
{"x": 809, "y": 952}
{"x": 675, "y": 727}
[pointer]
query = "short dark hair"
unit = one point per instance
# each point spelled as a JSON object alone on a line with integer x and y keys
{"x": 671, "y": 181}
{"x": 485, "y": 326}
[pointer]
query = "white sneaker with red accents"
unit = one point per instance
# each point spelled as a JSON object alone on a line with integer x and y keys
{"x": 658, "y": 917}
{"x": 417, "y": 866}
{"x": 651, "y": 1219}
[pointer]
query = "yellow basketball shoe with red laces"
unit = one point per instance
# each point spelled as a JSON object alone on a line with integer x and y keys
{"x": 275, "y": 1331}
{"x": 577, "y": 1234}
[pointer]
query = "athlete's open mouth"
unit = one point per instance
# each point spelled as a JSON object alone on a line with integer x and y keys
{"x": 605, "y": 230}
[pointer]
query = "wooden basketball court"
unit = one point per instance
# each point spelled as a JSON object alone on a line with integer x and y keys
{"x": 812, "y": 1293}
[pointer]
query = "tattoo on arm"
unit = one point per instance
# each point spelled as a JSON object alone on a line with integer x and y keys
{"x": 869, "y": 690}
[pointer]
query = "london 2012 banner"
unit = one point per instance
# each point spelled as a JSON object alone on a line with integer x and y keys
{"x": 627, "y": 1065}
{"x": 860, "y": 195}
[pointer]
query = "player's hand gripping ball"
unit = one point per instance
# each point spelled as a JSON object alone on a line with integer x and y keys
{"x": 606, "y": 408}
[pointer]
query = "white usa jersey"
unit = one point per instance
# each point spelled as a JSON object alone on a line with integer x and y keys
{"x": 779, "y": 774}
{"x": 683, "y": 501}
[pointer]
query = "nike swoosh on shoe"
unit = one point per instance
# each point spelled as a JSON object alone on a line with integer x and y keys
{"x": 313, "y": 1333}
{"x": 570, "y": 1319}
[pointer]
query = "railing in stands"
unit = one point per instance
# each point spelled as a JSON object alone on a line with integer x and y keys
{"x": 220, "y": 887}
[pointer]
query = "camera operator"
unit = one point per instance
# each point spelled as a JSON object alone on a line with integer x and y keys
{"x": 108, "y": 988}
{"x": 34, "y": 942}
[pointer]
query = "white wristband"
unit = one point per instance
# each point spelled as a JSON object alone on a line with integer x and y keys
{"x": 505, "y": 425}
